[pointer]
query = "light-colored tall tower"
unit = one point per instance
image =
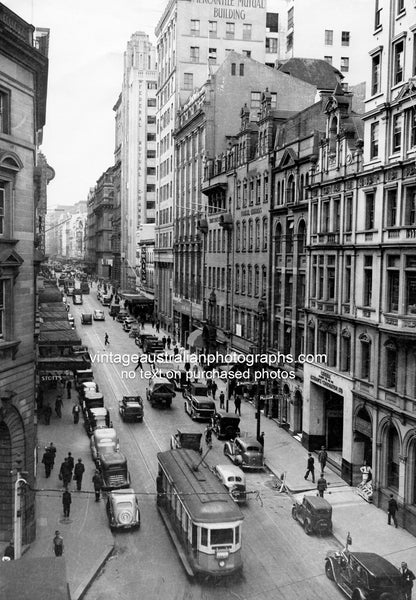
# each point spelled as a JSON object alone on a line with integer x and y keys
{"x": 138, "y": 148}
{"x": 193, "y": 39}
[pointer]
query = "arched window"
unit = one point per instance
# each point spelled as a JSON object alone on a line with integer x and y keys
{"x": 365, "y": 362}
{"x": 237, "y": 279}
{"x": 301, "y": 188}
{"x": 333, "y": 130}
{"x": 256, "y": 280}
{"x": 237, "y": 236}
{"x": 243, "y": 280}
{"x": 250, "y": 235}
{"x": 278, "y": 239}
{"x": 290, "y": 196}
{"x": 249, "y": 280}
{"x": 257, "y": 235}
{"x": 393, "y": 449}
{"x": 289, "y": 237}
{"x": 301, "y": 237}
{"x": 263, "y": 281}
{"x": 238, "y": 199}
{"x": 265, "y": 234}
{"x": 244, "y": 236}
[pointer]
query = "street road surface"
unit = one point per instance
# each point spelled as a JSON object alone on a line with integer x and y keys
{"x": 280, "y": 561}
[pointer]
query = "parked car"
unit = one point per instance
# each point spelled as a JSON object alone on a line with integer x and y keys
{"x": 152, "y": 345}
{"x": 160, "y": 392}
{"x": 128, "y": 323}
{"x": 96, "y": 418}
{"x": 195, "y": 389}
{"x": 92, "y": 400}
{"x": 114, "y": 472}
{"x": 131, "y": 408}
{"x": 114, "y": 310}
{"x": 225, "y": 425}
{"x": 85, "y": 288}
{"x": 98, "y": 315}
{"x": 315, "y": 514}
{"x": 134, "y": 331}
{"x": 199, "y": 408}
{"x": 245, "y": 452}
{"x": 106, "y": 300}
{"x": 182, "y": 439}
{"x": 103, "y": 441}
{"x": 86, "y": 319}
{"x": 77, "y": 297}
{"x": 81, "y": 376}
{"x": 122, "y": 509}
{"x": 364, "y": 575}
{"x": 122, "y": 314}
{"x": 234, "y": 480}
{"x": 85, "y": 387}
{"x": 71, "y": 319}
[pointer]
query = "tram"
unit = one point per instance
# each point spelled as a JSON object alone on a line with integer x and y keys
{"x": 204, "y": 522}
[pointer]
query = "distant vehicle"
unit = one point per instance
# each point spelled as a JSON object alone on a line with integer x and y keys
{"x": 87, "y": 387}
{"x": 114, "y": 472}
{"x": 160, "y": 392}
{"x": 123, "y": 509}
{"x": 315, "y": 514}
{"x": 152, "y": 345}
{"x": 114, "y": 309}
{"x": 122, "y": 314}
{"x": 96, "y": 418}
{"x": 103, "y": 441}
{"x": 106, "y": 300}
{"x": 134, "y": 331}
{"x": 225, "y": 425}
{"x": 234, "y": 480}
{"x": 85, "y": 288}
{"x": 364, "y": 575}
{"x": 128, "y": 323}
{"x": 81, "y": 376}
{"x": 98, "y": 315}
{"x": 131, "y": 408}
{"x": 209, "y": 540}
{"x": 70, "y": 290}
{"x": 186, "y": 439}
{"x": 201, "y": 409}
{"x": 77, "y": 297}
{"x": 144, "y": 336}
{"x": 92, "y": 400}
{"x": 86, "y": 319}
{"x": 247, "y": 453}
{"x": 195, "y": 389}
{"x": 71, "y": 319}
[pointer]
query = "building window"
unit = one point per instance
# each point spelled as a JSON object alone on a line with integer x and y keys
{"x": 330, "y": 286}
{"x": 151, "y": 120}
{"x": 345, "y": 64}
{"x": 347, "y": 279}
{"x": 400, "y": 6}
{"x": 398, "y": 58}
{"x": 257, "y": 235}
{"x": 244, "y": 236}
{"x": 271, "y": 45}
{"x": 375, "y": 74}
{"x": 374, "y": 132}
{"x": 397, "y": 133}
{"x": 391, "y": 208}
{"x": 212, "y": 28}
{"x": 410, "y": 207}
{"x": 188, "y": 81}
{"x": 250, "y": 235}
{"x": 365, "y": 358}
{"x": 272, "y": 22}
{"x": 229, "y": 30}
{"x": 393, "y": 283}
{"x": 256, "y": 280}
{"x": 237, "y": 236}
{"x": 194, "y": 54}
{"x": 412, "y": 128}
{"x": 410, "y": 282}
{"x": 241, "y": 69}
{"x": 289, "y": 42}
{"x": 391, "y": 365}
{"x": 247, "y": 31}
{"x": 212, "y": 55}
{"x": 263, "y": 281}
{"x": 249, "y": 280}
{"x": 346, "y": 353}
{"x": 237, "y": 279}
{"x": 345, "y": 38}
{"x": 151, "y": 102}
{"x": 194, "y": 26}
{"x": 329, "y": 37}
{"x": 328, "y": 59}
{"x": 246, "y": 53}
{"x": 369, "y": 211}
{"x": 2, "y": 209}
{"x": 233, "y": 68}
{"x": 265, "y": 234}
{"x": 325, "y": 217}
{"x": 377, "y": 14}
{"x": 4, "y": 111}
{"x": 368, "y": 280}
{"x": 255, "y": 99}
{"x": 243, "y": 280}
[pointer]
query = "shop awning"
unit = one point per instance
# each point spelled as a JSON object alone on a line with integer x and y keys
{"x": 136, "y": 298}
{"x": 56, "y": 325}
{"x": 63, "y": 363}
{"x": 59, "y": 338}
{"x": 50, "y": 295}
{"x": 195, "y": 339}
{"x": 53, "y": 315}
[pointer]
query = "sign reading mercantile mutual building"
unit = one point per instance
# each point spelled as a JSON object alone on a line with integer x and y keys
{"x": 232, "y": 9}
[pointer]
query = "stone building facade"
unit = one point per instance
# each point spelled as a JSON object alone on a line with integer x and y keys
{"x": 23, "y": 83}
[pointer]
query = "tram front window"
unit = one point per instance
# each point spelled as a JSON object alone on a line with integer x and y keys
{"x": 221, "y": 536}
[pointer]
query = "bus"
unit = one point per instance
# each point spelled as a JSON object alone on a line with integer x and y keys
{"x": 204, "y": 522}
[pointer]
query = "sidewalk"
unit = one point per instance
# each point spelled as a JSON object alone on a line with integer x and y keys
{"x": 88, "y": 541}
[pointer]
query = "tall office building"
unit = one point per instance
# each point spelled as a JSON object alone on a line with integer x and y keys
{"x": 193, "y": 39}
{"x": 137, "y": 116}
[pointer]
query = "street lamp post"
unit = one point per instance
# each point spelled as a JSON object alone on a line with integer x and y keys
{"x": 17, "y": 517}
{"x": 261, "y": 310}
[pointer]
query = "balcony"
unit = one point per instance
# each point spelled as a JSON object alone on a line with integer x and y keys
{"x": 326, "y": 239}
{"x": 405, "y": 323}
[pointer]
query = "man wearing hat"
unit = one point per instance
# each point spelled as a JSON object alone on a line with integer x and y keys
{"x": 408, "y": 578}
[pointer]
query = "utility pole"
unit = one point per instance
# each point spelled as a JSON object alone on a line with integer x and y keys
{"x": 17, "y": 518}
{"x": 261, "y": 315}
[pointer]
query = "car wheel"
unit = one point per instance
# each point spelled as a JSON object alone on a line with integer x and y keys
{"x": 307, "y": 527}
{"x": 329, "y": 571}
{"x": 294, "y": 513}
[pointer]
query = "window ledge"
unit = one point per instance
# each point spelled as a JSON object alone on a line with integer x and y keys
{"x": 375, "y": 96}
{"x": 10, "y": 241}
{"x": 8, "y": 349}
{"x": 401, "y": 14}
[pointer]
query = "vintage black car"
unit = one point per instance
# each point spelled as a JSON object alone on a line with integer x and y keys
{"x": 131, "y": 408}
{"x": 225, "y": 425}
{"x": 315, "y": 514}
{"x": 114, "y": 472}
{"x": 246, "y": 453}
{"x": 364, "y": 575}
{"x": 123, "y": 509}
{"x": 199, "y": 408}
{"x": 182, "y": 439}
{"x": 195, "y": 389}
